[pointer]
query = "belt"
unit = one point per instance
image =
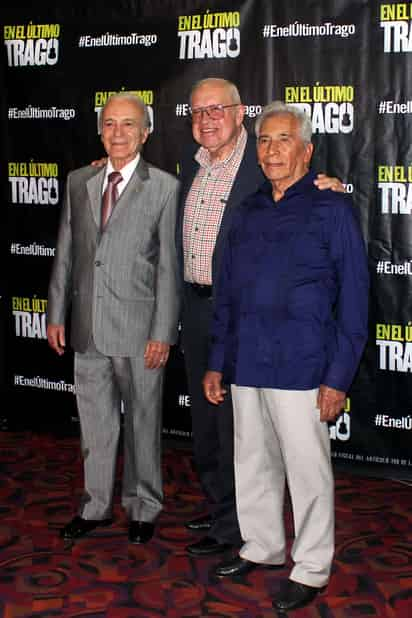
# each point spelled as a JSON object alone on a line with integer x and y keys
{"x": 204, "y": 291}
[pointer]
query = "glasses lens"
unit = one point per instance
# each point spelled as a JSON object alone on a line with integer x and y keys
{"x": 215, "y": 112}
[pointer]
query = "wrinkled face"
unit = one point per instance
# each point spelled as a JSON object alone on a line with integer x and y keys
{"x": 281, "y": 152}
{"x": 122, "y": 133}
{"x": 217, "y": 135}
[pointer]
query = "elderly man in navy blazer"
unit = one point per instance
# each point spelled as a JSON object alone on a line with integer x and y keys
{"x": 289, "y": 327}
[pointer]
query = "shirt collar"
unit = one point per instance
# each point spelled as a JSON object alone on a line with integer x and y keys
{"x": 126, "y": 171}
{"x": 300, "y": 186}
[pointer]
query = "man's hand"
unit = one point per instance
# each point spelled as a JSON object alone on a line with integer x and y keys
{"x": 326, "y": 182}
{"x": 212, "y": 387}
{"x": 156, "y": 354}
{"x": 330, "y": 402}
{"x": 101, "y": 162}
{"x": 56, "y": 338}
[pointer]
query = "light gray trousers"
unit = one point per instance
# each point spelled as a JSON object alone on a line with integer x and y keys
{"x": 101, "y": 384}
{"x": 278, "y": 438}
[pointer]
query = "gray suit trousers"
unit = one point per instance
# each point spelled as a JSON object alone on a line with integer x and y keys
{"x": 102, "y": 382}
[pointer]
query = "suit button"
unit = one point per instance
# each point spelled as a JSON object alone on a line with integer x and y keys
{"x": 97, "y": 263}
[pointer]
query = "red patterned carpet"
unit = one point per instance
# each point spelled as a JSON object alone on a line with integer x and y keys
{"x": 104, "y": 577}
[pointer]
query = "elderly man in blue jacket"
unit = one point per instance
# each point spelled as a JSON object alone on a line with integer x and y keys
{"x": 289, "y": 328}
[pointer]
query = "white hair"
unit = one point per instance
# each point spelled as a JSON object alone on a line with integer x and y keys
{"x": 279, "y": 108}
{"x": 132, "y": 98}
{"x": 218, "y": 81}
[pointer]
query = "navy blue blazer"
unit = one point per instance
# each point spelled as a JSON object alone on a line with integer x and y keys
{"x": 248, "y": 179}
{"x": 291, "y": 299}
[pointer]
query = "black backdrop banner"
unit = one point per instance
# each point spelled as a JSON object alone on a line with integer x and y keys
{"x": 346, "y": 63}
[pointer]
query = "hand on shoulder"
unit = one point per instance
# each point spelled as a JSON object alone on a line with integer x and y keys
{"x": 322, "y": 181}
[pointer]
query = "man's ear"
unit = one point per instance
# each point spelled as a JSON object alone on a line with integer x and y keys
{"x": 240, "y": 114}
{"x": 145, "y": 135}
{"x": 308, "y": 153}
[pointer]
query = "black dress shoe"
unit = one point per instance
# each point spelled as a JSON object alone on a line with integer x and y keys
{"x": 294, "y": 595}
{"x": 235, "y": 566}
{"x": 140, "y": 531}
{"x": 79, "y": 527}
{"x": 200, "y": 523}
{"x": 240, "y": 566}
{"x": 207, "y": 546}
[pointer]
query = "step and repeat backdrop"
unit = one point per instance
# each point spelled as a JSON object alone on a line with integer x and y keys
{"x": 345, "y": 62}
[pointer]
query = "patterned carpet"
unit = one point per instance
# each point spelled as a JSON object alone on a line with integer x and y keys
{"x": 103, "y": 576}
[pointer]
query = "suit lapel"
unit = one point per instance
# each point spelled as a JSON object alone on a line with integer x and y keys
{"x": 130, "y": 192}
{"x": 248, "y": 178}
{"x": 94, "y": 190}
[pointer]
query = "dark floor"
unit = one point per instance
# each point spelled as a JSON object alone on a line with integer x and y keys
{"x": 103, "y": 576}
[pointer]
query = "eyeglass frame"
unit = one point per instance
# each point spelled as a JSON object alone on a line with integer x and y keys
{"x": 197, "y": 113}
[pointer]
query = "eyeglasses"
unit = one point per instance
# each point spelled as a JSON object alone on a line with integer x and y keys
{"x": 215, "y": 112}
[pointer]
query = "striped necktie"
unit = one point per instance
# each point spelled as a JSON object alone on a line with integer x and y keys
{"x": 110, "y": 196}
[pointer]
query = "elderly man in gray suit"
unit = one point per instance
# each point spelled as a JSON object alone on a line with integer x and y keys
{"x": 116, "y": 266}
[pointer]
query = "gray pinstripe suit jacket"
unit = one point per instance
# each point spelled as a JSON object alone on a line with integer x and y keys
{"x": 121, "y": 284}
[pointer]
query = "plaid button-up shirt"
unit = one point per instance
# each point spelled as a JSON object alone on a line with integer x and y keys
{"x": 205, "y": 204}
